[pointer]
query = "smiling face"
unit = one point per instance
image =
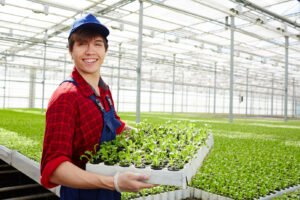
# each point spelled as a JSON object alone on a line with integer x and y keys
{"x": 88, "y": 55}
{"x": 88, "y": 50}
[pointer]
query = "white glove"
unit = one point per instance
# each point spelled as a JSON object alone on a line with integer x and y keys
{"x": 131, "y": 182}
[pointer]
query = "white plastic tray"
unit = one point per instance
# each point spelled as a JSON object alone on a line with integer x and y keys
{"x": 164, "y": 176}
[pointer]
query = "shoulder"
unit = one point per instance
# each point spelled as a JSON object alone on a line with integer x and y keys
{"x": 65, "y": 93}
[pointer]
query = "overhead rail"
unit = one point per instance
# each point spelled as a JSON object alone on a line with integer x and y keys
{"x": 249, "y": 4}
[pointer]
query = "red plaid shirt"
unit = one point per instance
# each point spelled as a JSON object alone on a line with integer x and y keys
{"x": 73, "y": 125}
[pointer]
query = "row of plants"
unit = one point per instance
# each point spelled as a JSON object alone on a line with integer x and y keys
{"x": 23, "y": 131}
{"x": 290, "y": 196}
{"x": 147, "y": 192}
{"x": 248, "y": 168}
{"x": 251, "y": 158}
{"x": 238, "y": 161}
{"x": 171, "y": 145}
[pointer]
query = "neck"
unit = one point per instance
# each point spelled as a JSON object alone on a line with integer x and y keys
{"x": 92, "y": 79}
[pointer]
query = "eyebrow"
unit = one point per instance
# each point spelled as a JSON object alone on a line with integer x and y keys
{"x": 99, "y": 40}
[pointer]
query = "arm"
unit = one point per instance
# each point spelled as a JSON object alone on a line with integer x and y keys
{"x": 70, "y": 175}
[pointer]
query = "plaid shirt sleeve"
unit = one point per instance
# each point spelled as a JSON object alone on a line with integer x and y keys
{"x": 60, "y": 125}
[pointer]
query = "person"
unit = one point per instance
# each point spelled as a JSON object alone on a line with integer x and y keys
{"x": 81, "y": 114}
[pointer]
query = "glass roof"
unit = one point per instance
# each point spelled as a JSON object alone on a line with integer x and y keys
{"x": 197, "y": 32}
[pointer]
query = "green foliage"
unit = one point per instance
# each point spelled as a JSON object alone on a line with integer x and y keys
{"x": 251, "y": 157}
{"x": 22, "y": 131}
{"x": 146, "y": 192}
{"x": 155, "y": 143}
{"x": 291, "y": 196}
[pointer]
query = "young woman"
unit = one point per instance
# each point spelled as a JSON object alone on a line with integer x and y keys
{"x": 81, "y": 114}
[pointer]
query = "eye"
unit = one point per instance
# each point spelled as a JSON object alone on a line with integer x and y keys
{"x": 99, "y": 44}
{"x": 81, "y": 43}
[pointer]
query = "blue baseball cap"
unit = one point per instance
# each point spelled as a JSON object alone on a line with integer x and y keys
{"x": 89, "y": 21}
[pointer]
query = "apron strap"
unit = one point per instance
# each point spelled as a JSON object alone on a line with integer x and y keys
{"x": 108, "y": 99}
{"x": 70, "y": 80}
{"x": 97, "y": 102}
{"x": 92, "y": 97}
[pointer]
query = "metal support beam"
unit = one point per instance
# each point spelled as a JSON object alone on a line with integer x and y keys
{"x": 32, "y": 78}
{"x": 44, "y": 75}
{"x": 215, "y": 87}
{"x": 186, "y": 98}
{"x": 197, "y": 99}
{"x": 118, "y": 80}
{"x": 256, "y": 7}
{"x": 182, "y": 91}
{"x": 5, "y": 78}
{"x": 272, "y": 96}
{"x": 164, "y": 97}
{"x": 286, "y": 47}
{"x": 231, "y": 68}
{"x": 139, "y": 64}
{"x": 65, "y": 66}
{"x": 173, "y": 83}
{"x": 294, "y": 100}
{"x": 247, "y": 84}
{"x": 208, "y": 101}
{"x": 150, "y": 91}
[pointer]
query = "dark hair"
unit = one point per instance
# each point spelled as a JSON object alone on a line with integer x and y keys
{"x": 86, "y": 33}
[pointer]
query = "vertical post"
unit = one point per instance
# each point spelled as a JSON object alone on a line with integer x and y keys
{"x": 286, "y": 46}
{"x": 224, "y": 93}
{"x": 266, "y": 104}
{"x": 272, "y": 95}
{"x": 247, "y": 84}
{"x": 215, "y": 88}
{"x": 65, "y": 66}
{"x": 208, "y": 100}
{"x": 186, "y": 98}
{"x": 173, "y": 83}
{"x": 293, "y": 101}
{"x": 44, "y": 72}
{"x": 251, "y": 101}
{"x": 139, "y": 66}
{"x": 182, "y": 91}
{"x": 5, "y": 78}
{"x": 32, "y": 78}
{"x": 118, "y": 80}
{"x": 112, "y": 78}
{"x": 231, "y": 68}
{"x": 164, "y": 97}
{"x": 197, "y": 95}
{"x": 282, "y": 104}
{"x": 150, "y": 90}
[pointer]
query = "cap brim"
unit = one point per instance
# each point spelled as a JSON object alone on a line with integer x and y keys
{"x": 97, "y": 27}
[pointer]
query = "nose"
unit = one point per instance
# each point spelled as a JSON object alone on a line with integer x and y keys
{"x": 90, "y": 48}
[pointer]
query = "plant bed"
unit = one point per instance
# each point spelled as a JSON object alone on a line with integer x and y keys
{"x": 176, "y": 151}
{"x": 24, "y": 164}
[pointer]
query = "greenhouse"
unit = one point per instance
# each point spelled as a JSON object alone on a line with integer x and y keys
{"x": 211, "y": 86}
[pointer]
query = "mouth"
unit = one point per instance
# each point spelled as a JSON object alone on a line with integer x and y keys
{"x": 89, "y": 60}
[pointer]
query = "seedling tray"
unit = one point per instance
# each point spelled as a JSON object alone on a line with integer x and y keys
{"x": 163, "y": 176}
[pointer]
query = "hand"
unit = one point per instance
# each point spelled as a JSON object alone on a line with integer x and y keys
{"x": 134, "y": 129}
{"x": 131, "y": 182}
{"x": 128, "y": 129}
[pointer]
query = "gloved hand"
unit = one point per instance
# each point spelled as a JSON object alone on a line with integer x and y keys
{"x": 131, "y": 182}
{"x": 129, "y": 129}
{"x": 134, "y": 129}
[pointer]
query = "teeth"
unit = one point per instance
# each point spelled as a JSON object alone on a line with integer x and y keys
{"x": 89, "y": 60}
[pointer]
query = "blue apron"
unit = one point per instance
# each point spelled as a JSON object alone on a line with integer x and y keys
{"x": 110, "y": 125}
